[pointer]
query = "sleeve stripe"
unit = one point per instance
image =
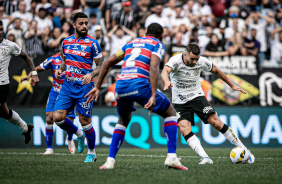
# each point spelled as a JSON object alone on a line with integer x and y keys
{"x": 157, "y": 54}
{"x": 169, "y": 66}
{"x": 211, "y": 67}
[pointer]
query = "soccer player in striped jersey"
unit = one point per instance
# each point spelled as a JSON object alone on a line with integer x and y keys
{"x": 137, "y": 82}
{"x": 79, "y": 52}
{"x": 7, "y": 49}
{"x": 54, "y": 63}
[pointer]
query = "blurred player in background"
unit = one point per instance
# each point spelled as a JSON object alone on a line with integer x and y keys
{"x": 188, "y": 97}
{"x": 110, "y": 97}
{"x": 8, "y": 49}
{"x": 78, "y": 52}
{"x": 54, "y": 63}
{"x": 137, "y": 82}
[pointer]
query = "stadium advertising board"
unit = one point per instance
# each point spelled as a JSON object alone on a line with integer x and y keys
{"x": 256, "y": 127}
{"x": 270, "y": 86}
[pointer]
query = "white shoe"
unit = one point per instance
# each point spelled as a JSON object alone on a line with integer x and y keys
{"x": 49, "y": 151}
{"x": 174, "y": 163}
{"x": 205, "y": 160}
{"x": 251, "y": 159}
{"x": 71, "y": 146}
{"x": 110, "y": 163}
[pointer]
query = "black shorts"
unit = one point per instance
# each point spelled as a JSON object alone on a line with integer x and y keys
{"x": 4, "y": 91}
{"x": 198, "y": 105}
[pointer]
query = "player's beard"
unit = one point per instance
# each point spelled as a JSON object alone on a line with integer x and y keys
{"x": 82, "y": 34}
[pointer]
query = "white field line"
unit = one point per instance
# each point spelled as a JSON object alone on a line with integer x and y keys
{"x": 120, "y": 155}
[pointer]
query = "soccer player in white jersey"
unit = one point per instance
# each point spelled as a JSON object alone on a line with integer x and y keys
{"x": 188, "y": 97}
{"x": 7, "y": 49}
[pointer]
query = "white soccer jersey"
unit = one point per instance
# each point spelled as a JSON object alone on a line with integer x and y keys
{"x": 7, "y": 49}
{"x": 186, "y": 79}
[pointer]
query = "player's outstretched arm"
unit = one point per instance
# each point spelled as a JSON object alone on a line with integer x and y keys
{"x": 30, "y": 64}
{"x": 37, "y": 69}
{"x": 223, "y": 77}
{"x": 167, "y": 83}
{"x": 111, "y": 61}
{"x": 154, "y": 73}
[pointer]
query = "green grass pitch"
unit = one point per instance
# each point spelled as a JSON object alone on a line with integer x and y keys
{"x": 137, "y": 166}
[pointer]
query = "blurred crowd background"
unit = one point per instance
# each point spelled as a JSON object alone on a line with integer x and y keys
{"x": 219, "y": 27}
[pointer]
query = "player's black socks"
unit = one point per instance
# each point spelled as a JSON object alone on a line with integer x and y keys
{"x": 188, "y": 136}
{"x": 224, "y": 128}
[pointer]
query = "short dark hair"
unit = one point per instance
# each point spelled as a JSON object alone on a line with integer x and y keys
{"x": 93, "y": 16}
{"x": 1, "y": 23}
{"x": 42, "y": 9}
{"x": 155, "y": 30}
{"x": 79, "y": 15}
{"x": 194, "y": 48}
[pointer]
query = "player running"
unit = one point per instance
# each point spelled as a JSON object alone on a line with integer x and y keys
{"x": 54, "y": 63}
{"x": 188, "y": 97}
{"x": 137, "y": 82}
{"x": 7, "y": 49}
{"x": 78, "y": 52}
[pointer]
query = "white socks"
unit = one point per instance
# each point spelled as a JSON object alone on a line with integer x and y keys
{"x": 91, "y": 151}
{"x": 17, "y": 120}
{"x": 231, "y": 137}
{"x": 195, "y": 144}
{"x": 172, "y": 155}
{"x": 79, "y": 132}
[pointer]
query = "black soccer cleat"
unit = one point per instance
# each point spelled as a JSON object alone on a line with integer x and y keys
{"x": 27, "y": 135}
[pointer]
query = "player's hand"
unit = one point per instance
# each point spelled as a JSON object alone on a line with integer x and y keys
{"x": 167, "y": 85}
{"x": 93, "y": 94}
{"x": 237, "y": 88}
{"x": 58, "y": 74}
{"x": 86, "y": 79}
{"x": 26, "y": 78}
{"x": 34, "y": 80}
{"x": 151, "y": 104}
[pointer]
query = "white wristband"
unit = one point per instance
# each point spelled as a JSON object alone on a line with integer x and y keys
{"x": 33, "y": 72}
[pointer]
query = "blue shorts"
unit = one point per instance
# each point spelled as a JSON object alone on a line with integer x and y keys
{"x": 51, "y": 104}
{"x": 137, "y": 90}
{"x": 73, "y": 94}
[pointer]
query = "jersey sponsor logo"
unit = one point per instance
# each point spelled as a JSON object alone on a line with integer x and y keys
{"x": 134, "y": 70}
{"x": 142, "y": 41}
{"x": 74, "y": 69}
{"x": 207, "y": 109}
{"x": 96, "y": 48}
{"x": 184, "y": 97}
{"x": 139, "y": 45}
{"x": 84, "y": 105}
{"x": 180, "y": 85}
{"x": 75, "y": 47}
{"x": 77, "y": 52}
{"x": 73, "y": 79}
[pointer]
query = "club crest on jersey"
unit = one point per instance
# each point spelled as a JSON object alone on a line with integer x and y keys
{"x": 57, "y": 60}
{"x": 86, "y": 40}
{"x": 70, "y": 39}
{"x": 83, "y": 47}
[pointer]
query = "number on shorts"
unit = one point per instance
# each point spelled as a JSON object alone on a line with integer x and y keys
{"x": 130, "y": 62}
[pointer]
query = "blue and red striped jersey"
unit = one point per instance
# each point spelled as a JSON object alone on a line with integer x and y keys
{"x": 137, "y": 57}
{"x": 79, "y": 55}
{"x": 54, "y": 63}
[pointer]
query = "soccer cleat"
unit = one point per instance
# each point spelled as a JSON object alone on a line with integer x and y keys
{"x": 251, "y": 159}
{"x": 90, "y": 158}
{"x": 49, "y": 151}
{"x": 205, "y": 160}
{"x": 110, "y": 163}
{"x": 27, "y": 135}
{"x": 174, "y": 163}
{"x": 81, "y": 144}
{"x": 71, "y": 146}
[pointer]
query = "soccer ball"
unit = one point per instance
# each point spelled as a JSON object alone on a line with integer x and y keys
{"x": 239, "y": 155}
{"x": 110, "y": 97}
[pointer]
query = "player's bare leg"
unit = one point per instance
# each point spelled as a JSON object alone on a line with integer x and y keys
{"x": 59, "y": 117}
{"x": 117, "y": 140}
{"x": 228, "y": 133}
{"x": 14, "y": 118}
{"x": 192, "y": 140}
{"x": 90, "y": 137}
{"x": 170, "y": 129}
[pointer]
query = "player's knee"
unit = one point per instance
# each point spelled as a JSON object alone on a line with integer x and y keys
{"x": 84, "y": 120}
{"x": 49, "y": 120}
{"x": 57, "y": 117}
{"x": 184, "y": 127}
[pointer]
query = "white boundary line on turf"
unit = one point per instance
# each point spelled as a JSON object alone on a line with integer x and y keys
{"x": 119, "y": 155}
